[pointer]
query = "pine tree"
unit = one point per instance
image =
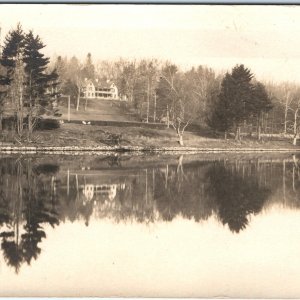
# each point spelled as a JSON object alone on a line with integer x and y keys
{"x": 13, "y": 46}
{"x": 25, "y": 81}
{"x": 220, "y": 117}
{"x": 38, "y": 83}
{"x": 237, "y": 93}
{"x": 260, "y": 104}
{"x": 13, "y": 79}
{"x": 232, "y": 107}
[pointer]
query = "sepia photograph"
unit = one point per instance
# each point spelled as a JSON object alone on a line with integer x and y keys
{"x": 149, "y": 150}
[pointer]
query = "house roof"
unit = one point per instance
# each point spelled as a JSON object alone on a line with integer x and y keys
{"x": 100, "y": 83}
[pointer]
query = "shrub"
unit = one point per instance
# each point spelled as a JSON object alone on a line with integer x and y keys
{"x": 47, "y": 124}
{"x": 9, "y": 123}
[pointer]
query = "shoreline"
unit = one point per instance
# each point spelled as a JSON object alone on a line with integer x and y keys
{"x": 135, "y": 149}
{"x": 76, "y": 138}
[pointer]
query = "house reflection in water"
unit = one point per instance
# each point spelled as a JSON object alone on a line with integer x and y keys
{"x": 105, "y": 192}
{"x": 122, "y": 194}
{"x": 95, "y": 192}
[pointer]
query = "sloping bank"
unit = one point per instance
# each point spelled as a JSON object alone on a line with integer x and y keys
{"x": 150, "y": 149}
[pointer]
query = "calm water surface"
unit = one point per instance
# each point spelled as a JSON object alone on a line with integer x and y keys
{"x": 205, "y": 225}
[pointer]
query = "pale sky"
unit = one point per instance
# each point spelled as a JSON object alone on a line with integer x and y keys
{"x": 265, "y": 38}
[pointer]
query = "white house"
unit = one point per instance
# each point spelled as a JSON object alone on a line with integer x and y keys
{"x": 96, "y": 89}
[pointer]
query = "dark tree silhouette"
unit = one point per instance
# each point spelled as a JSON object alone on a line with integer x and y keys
{"x": 39, "y": 85}
{"x": 232, "y": 107}
{"x": 30, "y": 204}
{"x": 236, "y": 197}
{"x": 12, "y": 254}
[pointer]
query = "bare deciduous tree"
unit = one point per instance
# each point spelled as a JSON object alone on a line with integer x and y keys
{"x": 183, "y": 101}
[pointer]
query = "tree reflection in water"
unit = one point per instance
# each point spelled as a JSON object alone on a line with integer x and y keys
{"x": 26, "y": 205}
{"x": 236, "y": 196}
{"x": 34, "y": 193}
{"x": 182, "y": 192}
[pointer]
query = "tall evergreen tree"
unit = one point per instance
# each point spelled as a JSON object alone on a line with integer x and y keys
{"x": 12, "y": 81}
{"x": 236, "y": 92}
{"x": 13, "y": 46}
{"x": 232, "y": 107}
{"x": 24, "y": 78}
{"x": 38, "y": 83}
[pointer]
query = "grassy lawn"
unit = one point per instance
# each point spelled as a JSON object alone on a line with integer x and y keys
{"x": 103, "y": 110}
{"x": 92, "y": 135}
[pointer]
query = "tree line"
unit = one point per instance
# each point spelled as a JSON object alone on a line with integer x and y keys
{"x": 160, "y": 91}
{"x": 234, "y": 103}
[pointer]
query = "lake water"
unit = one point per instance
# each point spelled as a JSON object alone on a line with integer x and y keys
{"x": 120, "y": 225}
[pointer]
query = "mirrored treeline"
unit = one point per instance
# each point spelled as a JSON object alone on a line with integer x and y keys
{"x": 37, "y": 192}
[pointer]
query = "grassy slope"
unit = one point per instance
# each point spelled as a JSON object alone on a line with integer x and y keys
{"x": 104, "y": 110}
{"x": 86, "y": 135}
